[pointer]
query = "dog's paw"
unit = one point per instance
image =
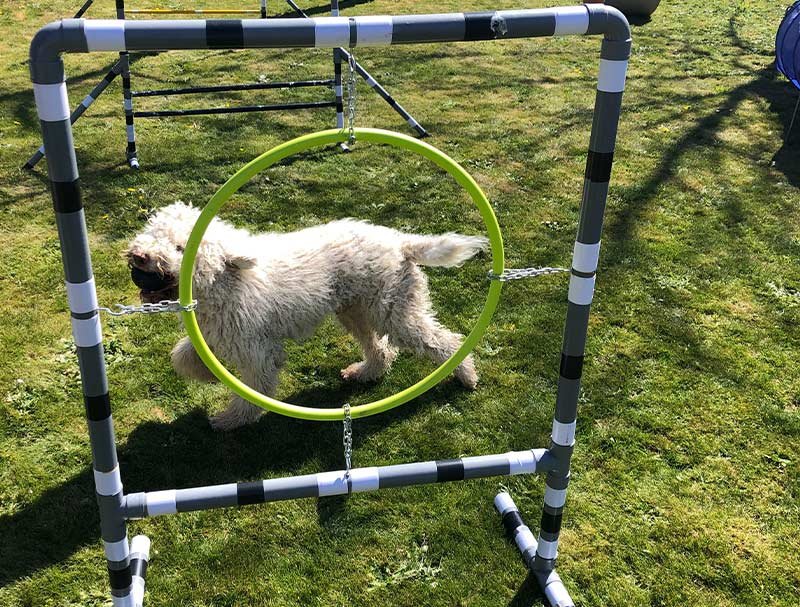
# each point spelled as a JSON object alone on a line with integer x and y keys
{"x": 466, "y": 374}
{"x": 360, "y": 372}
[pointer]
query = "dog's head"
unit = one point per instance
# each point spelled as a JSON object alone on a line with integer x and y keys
{"x": 156, "y": 253}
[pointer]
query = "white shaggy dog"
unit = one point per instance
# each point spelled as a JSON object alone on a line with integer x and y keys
{"x": 257, "y": 290}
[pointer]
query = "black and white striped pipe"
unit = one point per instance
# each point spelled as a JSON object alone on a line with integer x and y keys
{"x": 127, "y": 99}
{"x": 140, "y": 557}
{"x": 614, "y": 56}
{"x": 325, "y": 484}
{"x": 263, "y": 9}
{"x": 549, "y": 581}
{"x": 337, "y": 73}
{"x": 80, "y": 109}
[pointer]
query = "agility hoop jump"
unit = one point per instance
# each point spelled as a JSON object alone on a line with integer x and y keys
{"x": 126, "y": 561}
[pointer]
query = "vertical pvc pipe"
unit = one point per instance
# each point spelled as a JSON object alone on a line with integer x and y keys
{"x": 52, "y": 105}
{"x": 127, "y": 99}
{"x": 614, "y": 56}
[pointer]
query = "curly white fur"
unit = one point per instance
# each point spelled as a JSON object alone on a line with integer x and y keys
{"x": 257, "y": 290}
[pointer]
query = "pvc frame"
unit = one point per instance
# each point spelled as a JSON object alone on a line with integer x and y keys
{"x": 80, "y": 36}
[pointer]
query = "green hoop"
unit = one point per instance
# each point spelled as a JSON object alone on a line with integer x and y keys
{"x": 295, "y": 146}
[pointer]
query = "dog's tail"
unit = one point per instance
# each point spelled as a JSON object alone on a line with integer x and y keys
{"x": 446, "y": 250}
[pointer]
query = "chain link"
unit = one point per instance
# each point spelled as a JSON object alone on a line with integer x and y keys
{"x": 347, "y": 440}
{"x": 518, "y": 273}
{"x": 351, "y": 97}
{"x": 168, "y": 305}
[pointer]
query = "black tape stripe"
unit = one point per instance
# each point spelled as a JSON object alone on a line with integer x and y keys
{"x": 511, "y": 521}
{"x": 224, "y": 33}
{"x": 571, "y": 366}
{"x": 449, "y": 470}
{"x": 250, "y": 493}
{"x": 119, "y": 579}
{"x": 139, "y": 567}
{"x": 551, "y": 523}
{"x": 98, "y": 408}
{"x": 83, "y": 315}
{"x": 66, "y": 196}
{"x": 478, "y": 26}
{"x": 598, "y": 166}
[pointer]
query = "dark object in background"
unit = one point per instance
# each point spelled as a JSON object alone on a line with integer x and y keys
{"x": 787, "y": 53}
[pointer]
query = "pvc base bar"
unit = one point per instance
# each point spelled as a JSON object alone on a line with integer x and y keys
{"x": 140, "y": 556}
{"x": 256, "y": 86}
{"x": 324, "y": 484}
{"x": 550, "y": 583}
{"x": 236, "y": 110}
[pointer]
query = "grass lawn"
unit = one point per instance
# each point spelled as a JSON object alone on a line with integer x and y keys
{"x": 685, "y": 476}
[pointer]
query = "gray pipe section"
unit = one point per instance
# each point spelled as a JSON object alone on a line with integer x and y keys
{"x": 101, "y": 86}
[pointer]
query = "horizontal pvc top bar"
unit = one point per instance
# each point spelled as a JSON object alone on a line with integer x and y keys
{"x": 84, "y": 35}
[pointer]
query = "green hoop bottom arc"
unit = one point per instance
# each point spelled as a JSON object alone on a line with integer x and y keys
{"x": 302, "y": 144}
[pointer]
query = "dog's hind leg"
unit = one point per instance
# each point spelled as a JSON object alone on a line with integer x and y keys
{"x": 411, "y": 325}
{"x": 378, "y": 354}
{"x": 187, "y": 363}
{"x": 260, "y": 373}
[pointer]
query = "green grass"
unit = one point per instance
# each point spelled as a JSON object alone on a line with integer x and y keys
{"x": 685, "y": 479}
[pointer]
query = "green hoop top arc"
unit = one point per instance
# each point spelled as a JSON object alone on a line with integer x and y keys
{"x": 302, "y": 144}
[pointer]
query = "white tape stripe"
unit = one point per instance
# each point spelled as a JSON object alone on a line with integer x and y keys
{"x": 51, "y": 101}
{"x": 332, "y": 32}
{"x": 124, "y": 601}
{"x": 571, "y": 20}
{"x": 563, "y": 434}
{"x": 374, "y": 31}
{"x": 140, "y": 545}
{"x": 503, "y": 503}
{"x": 611, "y": 78}
{"x": 82, "y": 296}
{"x": 331, "y": 483}
{"x": 524, "y": 538}
{"x": 87, "y": 101}
{"x": 161, "y": 502}
{"x": 581, "y": 290}
{"x": 108, "y": 483}
{"x": 137, "y": 590}
{"x": 104, "y": 34}
{"x": 130, "y": 132}
{"x": 116, "y": 551}
{"x": 585, "y": 256}
{"x": 555, "y": 498}
{"x": 338, "y": 90}
{"x": 364, "y": 479}
{"x": 547, "y": 550}
{"x": 127, "y": 104}
{"x": 521, "y": 462}
{"x": 557, "y": 595}
{"x": 87, "y": 332}
{"x": 372, "y": 82}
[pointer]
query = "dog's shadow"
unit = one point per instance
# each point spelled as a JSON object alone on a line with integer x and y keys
{"x": 184, "y": 453}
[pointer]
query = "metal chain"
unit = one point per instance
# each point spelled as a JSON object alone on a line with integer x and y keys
{"x": 347, "y": 440}
{"x": 168, "y": 305}
{"x": 518, "y": 273}
{"x": 351, "y": 97}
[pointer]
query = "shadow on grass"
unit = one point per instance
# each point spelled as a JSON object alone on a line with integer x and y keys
{"x": 186, "y": 453}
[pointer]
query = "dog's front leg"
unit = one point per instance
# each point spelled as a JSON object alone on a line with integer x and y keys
{"x": 261, "y": 373}
{"x": 187, "y": 363}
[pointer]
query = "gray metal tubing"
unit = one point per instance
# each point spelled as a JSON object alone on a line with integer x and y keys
{"x": 127, "y": 99}
{"x": 101, "y": 86}
{"x": 550, "y": 583}
{"x": 324, "y": 484}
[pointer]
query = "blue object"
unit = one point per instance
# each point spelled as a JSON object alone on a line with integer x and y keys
{"x": 787, "y": 45}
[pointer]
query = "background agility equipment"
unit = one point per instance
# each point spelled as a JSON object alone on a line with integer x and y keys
{"x": 116, "y": 507}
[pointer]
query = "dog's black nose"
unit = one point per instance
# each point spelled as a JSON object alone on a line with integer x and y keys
{"x": 149, "y": 281}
